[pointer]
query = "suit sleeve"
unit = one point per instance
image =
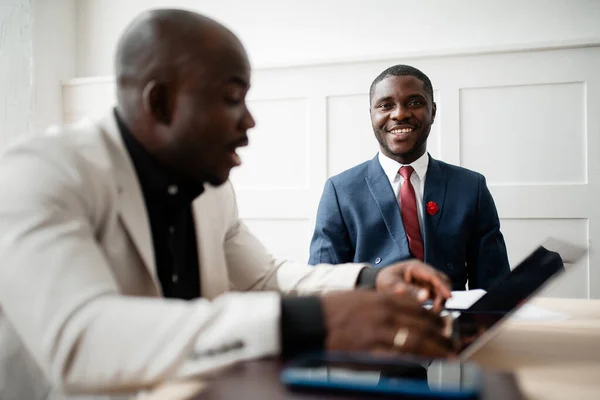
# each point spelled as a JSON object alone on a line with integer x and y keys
{"x": 58, "y": 291}
{"x": 252, "y": 267}
{"x": 487, "y": 260}
{"x": 330, "y": 242}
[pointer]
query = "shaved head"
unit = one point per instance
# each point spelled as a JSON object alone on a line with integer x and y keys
{"x": 162, "y": 45}
{"x": 173, "y": 68}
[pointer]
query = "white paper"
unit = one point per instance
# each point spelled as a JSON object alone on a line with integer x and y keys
{"x": 463, "y": 299}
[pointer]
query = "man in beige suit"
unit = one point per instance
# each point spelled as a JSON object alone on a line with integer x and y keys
{"x": 122, "y": 253}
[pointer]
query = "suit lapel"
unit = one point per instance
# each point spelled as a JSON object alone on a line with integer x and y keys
{"x": 435, "y": 191}
{"x": 209, "y": 238}
{"x": 215, "y": 214}
{"x": 382, "y": 193}
{"x": 132, "y": 208}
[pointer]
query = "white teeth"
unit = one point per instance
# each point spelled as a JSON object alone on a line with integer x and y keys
{"x": 403, "y": 130}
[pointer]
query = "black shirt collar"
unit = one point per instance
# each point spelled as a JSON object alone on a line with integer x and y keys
{"x": 154, "y": 178}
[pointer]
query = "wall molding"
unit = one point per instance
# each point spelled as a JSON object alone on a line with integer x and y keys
{"x": 506, "y": 86}
{"x": 434, "y": 53}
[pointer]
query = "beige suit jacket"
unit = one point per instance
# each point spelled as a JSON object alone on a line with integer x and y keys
{"x": 78, "y": 280}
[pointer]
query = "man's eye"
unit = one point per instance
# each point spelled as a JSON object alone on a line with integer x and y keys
{"x": 385, "y": 106}
{"x": 415, "y": 103}
{"x": 234, "y": 101}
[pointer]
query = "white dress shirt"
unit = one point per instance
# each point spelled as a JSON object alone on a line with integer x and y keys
{"x": 392, "y": 168}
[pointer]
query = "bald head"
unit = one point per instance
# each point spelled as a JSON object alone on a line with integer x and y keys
{"x": 164, "y": 44}
{"x": 182, "y": 80}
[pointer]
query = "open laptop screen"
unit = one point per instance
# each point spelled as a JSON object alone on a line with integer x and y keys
{"x": 511, "y": 292}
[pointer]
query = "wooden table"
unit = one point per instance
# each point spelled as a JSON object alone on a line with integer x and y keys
{"x": 551, "y": 359}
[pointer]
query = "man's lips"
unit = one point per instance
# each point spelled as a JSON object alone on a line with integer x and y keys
{"x": 401, "y": 129}
{"x": 243, "y": 142}
{"x": 235, "y": 158}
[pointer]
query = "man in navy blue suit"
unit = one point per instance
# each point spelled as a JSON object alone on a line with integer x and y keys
{"x": 403, "y": 203}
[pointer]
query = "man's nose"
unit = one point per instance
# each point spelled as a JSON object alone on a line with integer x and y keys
{"x": 248, "y": 122}
{"x": 400, "y": 112}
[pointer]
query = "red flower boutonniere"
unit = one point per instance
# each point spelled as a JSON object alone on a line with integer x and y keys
{"x": 432, "y": 208}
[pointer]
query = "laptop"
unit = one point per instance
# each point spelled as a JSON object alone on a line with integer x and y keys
{"x": 476, "y": 325}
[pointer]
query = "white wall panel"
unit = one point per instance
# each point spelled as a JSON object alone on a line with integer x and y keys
{"x": 524, "y": 235}
{"x": 16, "y": 93}
{"x": 285, "y": 238}
{"x": 278, "y": 157}
{"x": 350, "y": 138}
{"x": 528, "y": 134}
{"x": 53, "y": 58}
{"x": 88, "y": 98}
{"x": 528, "y": 121}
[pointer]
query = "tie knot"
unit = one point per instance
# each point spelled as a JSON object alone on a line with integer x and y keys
{"x": 406, "y": 171}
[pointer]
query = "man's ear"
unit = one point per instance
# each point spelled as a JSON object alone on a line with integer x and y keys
{"x": 156, "y": 102}
{"x": 433, "y": 111}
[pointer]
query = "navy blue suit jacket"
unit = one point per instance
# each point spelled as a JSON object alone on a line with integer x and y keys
{"x": 359, "y": 221}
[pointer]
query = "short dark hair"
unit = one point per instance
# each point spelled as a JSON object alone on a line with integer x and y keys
{"x": 402, "y": 70}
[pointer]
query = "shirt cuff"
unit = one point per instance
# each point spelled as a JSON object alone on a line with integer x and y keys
{"x": 367, "y": 277}
{"x": 302, "y": 325}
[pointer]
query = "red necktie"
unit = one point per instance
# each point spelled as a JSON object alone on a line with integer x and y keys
{"x": 410, "y": 218}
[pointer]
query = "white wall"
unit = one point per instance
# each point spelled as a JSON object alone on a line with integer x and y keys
{"x": 316, "y": 60}
{"x": 303, "y": 31}
{"x": 37, "y": 52}
{"x": 526, "y": 120}
{"x": 53, "y": 58}
{"x": 16, "y": 94}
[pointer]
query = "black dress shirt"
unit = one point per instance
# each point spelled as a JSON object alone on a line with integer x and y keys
{"x": 168, "y": 198}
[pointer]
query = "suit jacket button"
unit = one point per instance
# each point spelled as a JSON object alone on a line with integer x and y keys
{"x": 377, "y": 260}
{"x": 450, "y": 266}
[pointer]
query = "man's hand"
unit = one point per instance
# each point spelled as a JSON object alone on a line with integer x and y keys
{"x": 417, "y": 280}
{"x": 364, "y": 320}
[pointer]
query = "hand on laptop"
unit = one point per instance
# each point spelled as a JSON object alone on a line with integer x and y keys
{"x": 417, "y": 280}
{"x": 363, "y": 320}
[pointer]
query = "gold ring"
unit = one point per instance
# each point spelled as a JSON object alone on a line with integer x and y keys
{"x": 400, "y": 338}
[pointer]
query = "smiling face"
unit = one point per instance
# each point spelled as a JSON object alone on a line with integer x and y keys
{"x": 402, "y": 113}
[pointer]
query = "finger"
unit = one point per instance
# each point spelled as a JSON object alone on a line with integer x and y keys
{"x": 421, "y": 294}
{"x": 441, "y": 287}
{"x": 386, "y": 337}
{"x": 439, "y": 292}
{"x": 427, "y": 343}
{"x": 439, "y": 303}
{"x": 444, "y": 278}
{"x": 428, "y": 346}
{"x": 407, "y": 305}
{"x": 416, "y": 316}
{"x": 383, "y": 343}
{"x": 426, "y": 339}
{"x": 421, "y": 271}
{"x": 408, "y": 273}
{"x": 418, "y": 293}
{"x": 448, "y": 325}
{"x": 433, "y": 278}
